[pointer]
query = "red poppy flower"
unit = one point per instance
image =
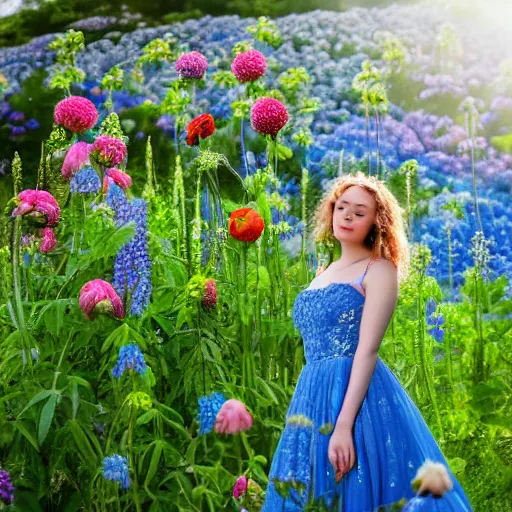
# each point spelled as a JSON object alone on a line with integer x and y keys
{"x": 202, "y": 126}
{"x": 245, "y": 224}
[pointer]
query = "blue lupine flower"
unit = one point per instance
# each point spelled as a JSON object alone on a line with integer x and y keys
{"x": 130, "y": 358}
{"x": 85, "y": 181}
{"x": 209, "y": 406}
{"x": 115, "y": 468}
{"x": 132, "y": 267}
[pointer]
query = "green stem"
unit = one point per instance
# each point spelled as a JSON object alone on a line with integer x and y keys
{"x": 17, "y": 289}
{"x": 135, "y": 486}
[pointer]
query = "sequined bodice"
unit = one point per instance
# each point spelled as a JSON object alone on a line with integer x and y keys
{"x": 328, "y": 319}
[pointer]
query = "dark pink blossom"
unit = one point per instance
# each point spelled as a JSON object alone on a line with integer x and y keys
{"x": 240, "y": 487}
{"x": 191, "y": 65}
{"x": 98, "y": 296}
{"x": 76, "y": 158}
{"x": 268, "y": 116}
{"x": 49, "y": 241}
{"x": 37, "y": 203}
{"x": 76, "y": 113}
{"x": 249, "y": 66}
{"x": 109, "y": 151}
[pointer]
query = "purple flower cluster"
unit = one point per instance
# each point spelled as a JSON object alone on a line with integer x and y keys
{"x": 6, "y": 488}
{"x": 132, "y": 267}
{"x": 209, "y": 406}
{"x": 16, "y": 121}
{"x": 115, "y": 468}
{"x": 130, "y": 358}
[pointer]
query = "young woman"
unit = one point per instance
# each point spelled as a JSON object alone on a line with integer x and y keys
{"x": 353, "y": 438}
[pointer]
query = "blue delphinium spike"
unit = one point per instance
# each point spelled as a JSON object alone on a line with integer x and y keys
{"x": 209, "y": 406}
{"x": 130, "y": 358}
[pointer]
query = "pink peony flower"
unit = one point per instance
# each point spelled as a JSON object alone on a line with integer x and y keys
{"x": 249, "y": 66}
{"x": 232, "y": 418}
{"x": 240, "y": 487}
{"x": 49, "y": 241}
{"x": 192, "y": 65}
{"x": 268, "y": 116}
{"x": 109, "y": 151}
{"x": 75, "y": 113}
{"x": 38, "y": 203}
{"x": 76, "y": 158}
{"x": 120, "y": 178}
{"x": 98, "y": 296}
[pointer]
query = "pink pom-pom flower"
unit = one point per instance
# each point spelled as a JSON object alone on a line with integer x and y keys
{"x": 38, "y": 204}
{"x": 232, "y": 418}
{"x": 120, "y": 178}
{"x": 249, "y": 66}
{"x": 76, "y": 158}
{"x": 76, "y": 113}
{"x": 49, "y": 241}
{"x": 109, "y": 151}
{"x": 268, "y": 116}
{"x": 98, "y": 296}
{"x": 191, "y": 65}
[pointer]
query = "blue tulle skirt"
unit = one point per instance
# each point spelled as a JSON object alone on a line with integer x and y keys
{"x": 391, "y": 441}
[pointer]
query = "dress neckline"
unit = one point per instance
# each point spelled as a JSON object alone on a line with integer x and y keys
{"x": 339, "y": 283}
{"x": 361, "y": 277}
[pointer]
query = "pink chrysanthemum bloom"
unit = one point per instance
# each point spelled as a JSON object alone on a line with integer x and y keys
{"x": 76, "y": 158}
{"x": 268, "y": 116}
{"x": 76, "y": 113}
{"x": 192, "y": 65}
{"x": 120, "y": 178}
{"x": 210, "y": 294}
{"x": 109, "y": 151}
{"x": 249, "y": 66}
{"x": 232, "y": 418}
{"x": 49, "y": 241}
{"x": 240, "y": 487}
{"x": 97, "y": 297}
{"x": 38, "y": 204}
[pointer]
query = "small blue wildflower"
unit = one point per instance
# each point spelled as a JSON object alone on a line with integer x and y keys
{"x": 115, "y": 468}
{"x": 435, "y": 321}
{"x": 209, "y": 406}
{"x": 32, "y": 124}
{"x": 130, "y": 358}
{"x": 85, "y": 181}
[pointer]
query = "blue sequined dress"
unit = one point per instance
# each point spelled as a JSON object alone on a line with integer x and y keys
{"x": 391, "y": 438}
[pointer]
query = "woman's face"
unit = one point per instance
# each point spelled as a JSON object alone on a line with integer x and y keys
{"x": 355, "y": 210}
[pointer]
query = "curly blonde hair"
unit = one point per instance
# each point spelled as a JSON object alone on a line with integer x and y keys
{"x": 387, "y": 238}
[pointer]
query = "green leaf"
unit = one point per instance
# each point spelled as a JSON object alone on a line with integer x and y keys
{"x": 112, "y": 240}
{"x": 46, "y": 418}
{"x": 146, "y": 417}
{"x": 42, "y": 395}
{"x": 155, "y": 459}
{"x": 83, "y": 444}
{"x": 28, "y": 436}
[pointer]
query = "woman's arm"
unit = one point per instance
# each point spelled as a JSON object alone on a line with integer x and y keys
{"x": 380, "y": 302}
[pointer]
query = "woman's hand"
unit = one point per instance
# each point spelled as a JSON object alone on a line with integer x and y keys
{"x": 341, "y": 452}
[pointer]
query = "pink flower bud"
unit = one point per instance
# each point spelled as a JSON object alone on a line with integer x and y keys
{"x": 97, "y": 297}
